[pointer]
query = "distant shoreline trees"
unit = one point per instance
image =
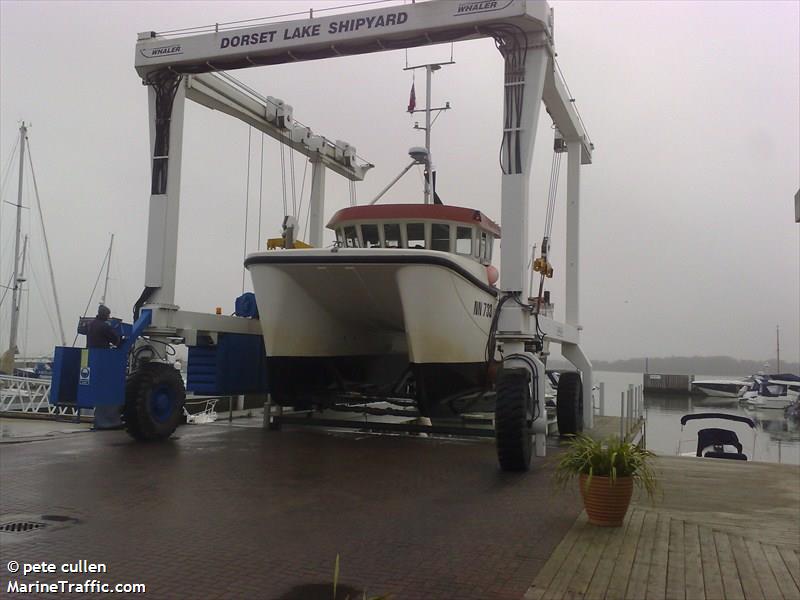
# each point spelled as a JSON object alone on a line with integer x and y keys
{"x": 691, "y": 365}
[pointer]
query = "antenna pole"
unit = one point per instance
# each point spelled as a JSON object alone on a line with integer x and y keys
{"x": 108, "y": 270}
{"x": 16, "y": 292}
{"x": 428, "y": 161}
{"x": 429, "y": 69}
{"x": 778, "y": 345}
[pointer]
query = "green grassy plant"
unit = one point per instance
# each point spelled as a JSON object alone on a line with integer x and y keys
{"x": 611, "y": 458}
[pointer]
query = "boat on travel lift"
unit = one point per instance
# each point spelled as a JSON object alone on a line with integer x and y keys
{"x": 401, "y": 306}
{"x": 404, "y": 298}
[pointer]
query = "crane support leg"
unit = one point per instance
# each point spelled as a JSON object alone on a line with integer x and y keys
{"x": 573, "y": 352}
{"x": 166, "y": 104}
{"x": 572, "y": 288}
{"x": 515, "y": 184}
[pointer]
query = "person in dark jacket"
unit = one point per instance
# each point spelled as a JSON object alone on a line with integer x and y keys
{"x": 99, "y": 333}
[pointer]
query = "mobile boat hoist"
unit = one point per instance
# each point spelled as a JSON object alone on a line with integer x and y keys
{"x": 393, "y": 338}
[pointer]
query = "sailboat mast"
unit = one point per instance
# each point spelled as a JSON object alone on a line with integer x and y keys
{"x": 16, "y": 291}
{"x": 108, "y": 270}
{"x": 778, "y": 345}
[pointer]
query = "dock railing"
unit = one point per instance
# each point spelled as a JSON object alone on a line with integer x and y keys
{"x": 632, "y": 413}
{"x": 29, "y": 396}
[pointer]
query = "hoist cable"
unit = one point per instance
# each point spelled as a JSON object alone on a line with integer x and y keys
{"x": 260, "y": 192}
{"x": 302, "y": 192}
{"x": 555, "y": 170}
{"x": 283, "y": 181}
{"x": 246, "y": 201}
{"x": 294, "y": 187}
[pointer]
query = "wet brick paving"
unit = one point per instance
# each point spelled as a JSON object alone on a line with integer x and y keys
{"x": 237, "y": 512}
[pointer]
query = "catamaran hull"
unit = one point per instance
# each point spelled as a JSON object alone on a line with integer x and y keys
{"x": 391, "y": 322}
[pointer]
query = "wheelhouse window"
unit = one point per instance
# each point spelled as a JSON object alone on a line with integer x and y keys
{"x": 489, "y": 248}
{"x": 440, "y": 237}
{"x": 482, "y": 251}
{"x": 339, "y": 236}
{"x": 351, "y": 237}
{"x": 416, "y": 235}
{"x": 369, "y": 233}
{"x": 464, "y": 240}
{"x": 391, "y": 233}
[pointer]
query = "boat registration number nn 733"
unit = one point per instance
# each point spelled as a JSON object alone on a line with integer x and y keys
{"x": 483, "y": 309}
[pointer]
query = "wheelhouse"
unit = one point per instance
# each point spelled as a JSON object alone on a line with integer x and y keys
{"x": 452, "y": 229}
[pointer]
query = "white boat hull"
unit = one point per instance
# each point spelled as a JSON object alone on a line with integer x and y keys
{"x": 367, "y": 315}
{"x": 775, "y": 402}
{"x": 719, "y": 389}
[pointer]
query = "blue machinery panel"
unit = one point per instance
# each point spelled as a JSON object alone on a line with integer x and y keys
{"x": 236, "y": 365}
{"x": 89, "y": 377}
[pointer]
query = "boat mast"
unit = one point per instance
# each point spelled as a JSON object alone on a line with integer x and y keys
{"x": 429, "y": 69}
{"x": 108, "y": 269}
{"x": 778, "y": 345}
{"x": 16, "y": 291}
{"x": 429, "y": 161}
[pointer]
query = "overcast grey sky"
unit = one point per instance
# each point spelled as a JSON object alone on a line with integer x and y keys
{"x": 688, "y": 239}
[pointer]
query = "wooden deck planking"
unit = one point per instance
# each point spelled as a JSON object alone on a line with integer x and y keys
{"x": 586, "y": 568}
{"x": 608, "y": 559}
{"x": 718, "y": 531}
{"x": 676, "y": 566}
{"x": 712, "y": 578}
{"x": 727, "y": 565}
{"x": 792, "y": 562}
{"x": 558, "y": 587}
{"x": 746, "y": 569}
{"x": 657, "y": 578}
{"x": 782, "y": 576}
{"x": 622, "y": 568}
{"x": 763, "y": 571}
{"x": 551, "y": 568}
{"x": 637, "y": 583}
{"x": 693, "y": 575}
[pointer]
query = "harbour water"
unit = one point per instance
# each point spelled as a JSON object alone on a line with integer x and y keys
{"x": 775, "y": 439}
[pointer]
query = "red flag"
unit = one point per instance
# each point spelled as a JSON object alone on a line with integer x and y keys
{"x": 412, "y": 100}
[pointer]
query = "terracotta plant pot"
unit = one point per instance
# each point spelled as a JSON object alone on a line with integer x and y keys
{"x": 606, "y": 503}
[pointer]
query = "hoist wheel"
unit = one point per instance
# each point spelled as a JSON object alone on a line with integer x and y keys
{"x": 154, "y": 399}
{"x": 569, "y": 403}
{"x": 513, "y": 420}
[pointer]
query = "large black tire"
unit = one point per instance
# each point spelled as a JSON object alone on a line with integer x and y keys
{"x": 569, "y": 403}
{"x": 154, "y": 399}
{"x": 513, "y": 420}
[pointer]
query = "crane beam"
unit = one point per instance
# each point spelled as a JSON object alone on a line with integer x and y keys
{"x": 275, "y": 118}
{"x": 391, "y": 28}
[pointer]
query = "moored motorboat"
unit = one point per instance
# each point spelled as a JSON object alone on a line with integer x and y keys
{"x": 715, "y": 442}
{"x": 720, "y": 388}
{"x": 772, "y": 391}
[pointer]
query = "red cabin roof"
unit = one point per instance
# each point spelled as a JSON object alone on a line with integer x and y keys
{"x": 409, "y": 212}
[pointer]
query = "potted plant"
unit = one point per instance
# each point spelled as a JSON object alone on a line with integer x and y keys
{"x": 607, "y": 471}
